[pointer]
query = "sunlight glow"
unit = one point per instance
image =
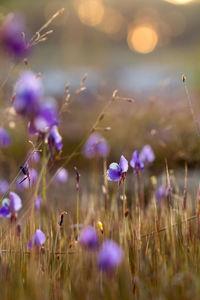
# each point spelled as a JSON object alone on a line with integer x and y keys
{"x": 91, "y": 12}
{"x": 179, "y": 2}
{"x": 142, "y": 38}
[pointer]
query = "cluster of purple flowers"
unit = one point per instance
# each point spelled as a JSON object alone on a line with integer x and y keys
{"x": 109, "y": 255}
{"x": 117, "y": 172}
{"x": 41, "y": 113}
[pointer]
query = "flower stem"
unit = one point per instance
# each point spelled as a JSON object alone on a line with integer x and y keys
{"x": 124, "y": 209}
{"x": 77, "y": 210}
{"x": 44, "y": 153}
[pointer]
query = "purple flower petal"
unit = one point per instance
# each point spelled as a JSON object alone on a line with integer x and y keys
{"x": 161, "y": 192}
{"x": 110, "y": 256}
{"x": 136, "y": 163}
{"x": 61, "y": 176}
{"x": 123, "y": 164}
{"x": 34, "y": 158}
{"x": 11, "y": 36}
{"x": 147, "y": 155}
{"x": 5, "y": 139}
{"x": 89, "y": 238}
{"x": 3, "y": 186}
{"x": 38, "y": 202}
{"x": 114, "y": 172}
{"x": 39, "y": 238}
{"x": 28, "y": 91}
{"x": 30, "y": 244}
{"x": 15, "y": 202}
{"x": 47, "y": 116}
{"x": 96, "y": 145}
{"x": 25, "y": 184}
{"x": 5, "y": 212}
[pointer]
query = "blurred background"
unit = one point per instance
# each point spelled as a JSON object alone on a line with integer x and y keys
{"x": 139, "y": 47}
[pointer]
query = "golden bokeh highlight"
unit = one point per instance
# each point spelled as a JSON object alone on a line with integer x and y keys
{"x": 179, "y": 2}
{"x": 142, "y": 38}
{"x": 91, "y": 12}
{"x": 112, "y": 21}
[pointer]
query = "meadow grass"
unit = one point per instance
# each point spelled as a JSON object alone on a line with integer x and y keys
{"x": 159, "y": 237}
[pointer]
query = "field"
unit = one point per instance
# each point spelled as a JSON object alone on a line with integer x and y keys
{"x": 100, "y": 194}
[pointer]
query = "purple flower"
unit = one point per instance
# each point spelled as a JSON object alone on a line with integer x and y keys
{"x": 61, "y": 176}
{"x": 4, "y": 186}
{"x": 54, "y": 140}
{"x": 161, "y": 192}
{"x": 11, "y": 36}
{"x": 38, "y": 202}
{"x": 28, "y": 91}
{"x": 5, "y": 139}
{"x": 89, "y": 238}
{"x": 34, "y": 158}
{"x": 38, "y": 240}
{"x": 25, "y": 184}
{"x": 46, "y": 117}
{"x": 117, "y": 171}
{"x": 147, "y": 155}
{"x": 96, "y": 145}
{"x": 136, "y": 163}
{"x": 10, "y": 205}
{"x": 110, "y": 256}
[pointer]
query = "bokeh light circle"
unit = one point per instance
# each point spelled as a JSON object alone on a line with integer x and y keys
{"x": 142, "y": 38}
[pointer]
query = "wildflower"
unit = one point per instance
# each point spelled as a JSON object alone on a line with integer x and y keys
{"x": 110, "y": 256}
{"x": 136, "y": 163}
{"x": 10, "y": 206}
{"x": 117, "y": 172}
{"x": 11, "y": 36}
{"x": 161, "y": 192}
{"x": 38, "y": 202}
{"x": 5, "y": 139}
{"x": 61, "y": 176}
{"x": 34, "y": 158}
{"x": 89, "y": 238}
{"x": 46, "y": 117}
{"x": 54, "y": 140}
{"x": 4, "y": 186}
{"x": 38, "y": 240}
{"x": 29, "y": 92}
{"x": 147, "y": 155}
{"x": 96, "y": 145}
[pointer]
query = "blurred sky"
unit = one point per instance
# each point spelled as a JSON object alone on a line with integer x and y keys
{"x": 133, "y": 45}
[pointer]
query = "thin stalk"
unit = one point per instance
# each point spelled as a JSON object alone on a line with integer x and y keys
{"x": 124, "y": 210}
{"x": 77, "y": 210}
{"x": 105, "y": 191}
{"x": 44, "y": 154}
{"x": 55, "y": 244}
{"x": 77, "y": 200}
